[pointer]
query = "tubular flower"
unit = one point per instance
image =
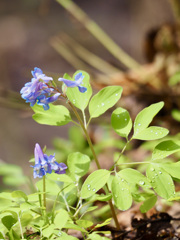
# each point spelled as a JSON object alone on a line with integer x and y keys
{"x": 37, "y": 91}
{"x": 38, "y": 74}
{"x": 77, "y": 83}
{"x": 46, "y": 164}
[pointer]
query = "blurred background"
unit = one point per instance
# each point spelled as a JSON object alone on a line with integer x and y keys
{"x": 46, "y": 34}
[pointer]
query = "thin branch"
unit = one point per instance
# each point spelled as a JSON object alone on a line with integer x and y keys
{"x": 99, "y": 34}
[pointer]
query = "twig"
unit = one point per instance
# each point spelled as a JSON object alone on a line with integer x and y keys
{"x": 99, "y": 34}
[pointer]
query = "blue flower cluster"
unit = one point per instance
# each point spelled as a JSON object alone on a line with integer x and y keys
{"x": 37, "y": 91}
{"x": 46, "y": 164}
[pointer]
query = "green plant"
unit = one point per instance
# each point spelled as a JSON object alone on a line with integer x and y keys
{"x": 64, "y": 201}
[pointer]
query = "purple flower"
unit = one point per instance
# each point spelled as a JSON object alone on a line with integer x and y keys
{"x": 38, "y": 74}
{"x": 77, "y": 83}
{"x": 37, "y": 91}
{"x": 44, "y": 101}
{"x": 46, "y": 164}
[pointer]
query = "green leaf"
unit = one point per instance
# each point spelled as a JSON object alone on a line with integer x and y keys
{"x": 103, "y": 197}
{"x": 161, "y": 181}
{"x": 70, "y": 225}
{"x": 57, "y": 115}
{"x": 176, "y": 114}
{"x": 134, "y": 177}
{"x": 51, "y": 187}
{"x": 14, "y": 180}
{"x": 19, "y": 194}
{"x": 80, "y": 100}
{"x": 77, "y": 138}
{"x": 121, "y": 193}
{"x": 1, "y": 236}
{"x": 47, "y": 232}
{"x": 164, "y": 149}
{"x": 25, "y": 206}
{"x": 174, "y": 79}
{"x": 95, "y": 236}
{"x": 172, "y": 168}
{"x": 148, "y": 204}
{"x": 121, "y": 122}
{"x": 61, "y": 218}
{"x": 94, "y": 182}
{"x": 64, "y": 236}
{"x": 152, "y": 133}
{"x": 145, "y": 117}
{"x": 84, "y": 223}
{"x": 60, "y": 177}
{"x": 26, "y": 218}
{"x": 78, "y": 164}
{"x": 106, "y": 222}
{"x": 103, "y": 100}
{"x": 11, "y": 169}
{"x": 8, "y": 221}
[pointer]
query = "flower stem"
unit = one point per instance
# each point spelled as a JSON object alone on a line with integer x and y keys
{"x": 121, "y": 153}
{"x": 44, "y": 192}
{"x": 86, "y": 134}
{"x": 96, "y": 160}
{"x": 19, "y": 220}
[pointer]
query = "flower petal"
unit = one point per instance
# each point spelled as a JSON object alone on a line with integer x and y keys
{"x": 36, "y": 72}
{"x": 39, "y": 156}
{"x": 82, "y": 89}
{"x": 79, "y": 77}
{"x": 69, "y": 83}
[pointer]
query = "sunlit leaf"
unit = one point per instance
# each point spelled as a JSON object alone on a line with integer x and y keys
{"x": 19, "y": 194}
{"x": 80, "y": 100}
{"x": 161, "y": 181}
{"x": 172, "y": 168}
{"x": 61, "y": 218}
{"x": 103, "y": 100}
{"x": 94, "y": 182}
{"x": 121, "y": 193}
{"x": 152, "y": 133}
{"x": 148, "y": 204}
{"x": 51, "y": 187}
{"x": 84, "y": 223}
{"x": 70, "y": 225}
{"x": 164, "y": 149}
{"x": 60, "y": 177}
{"x": 174, "y": 79}
{"x": 176, "y": 114}
{"x": 134, "y": 177}
{"x": 57, "y": 115}
{"x": 145, "y": 117}
{"x": 78, "y": 164}
{"x": 47, "y": 232}
{"x": 121, "y": 122}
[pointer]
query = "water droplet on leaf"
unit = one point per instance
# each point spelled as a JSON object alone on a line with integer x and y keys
{"x": 141, "y": 182}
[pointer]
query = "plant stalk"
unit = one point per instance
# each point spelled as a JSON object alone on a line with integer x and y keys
{"x": 99, "y": 34}
{"x": 44, "y": 192}
{"x": 97, "y": 162}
